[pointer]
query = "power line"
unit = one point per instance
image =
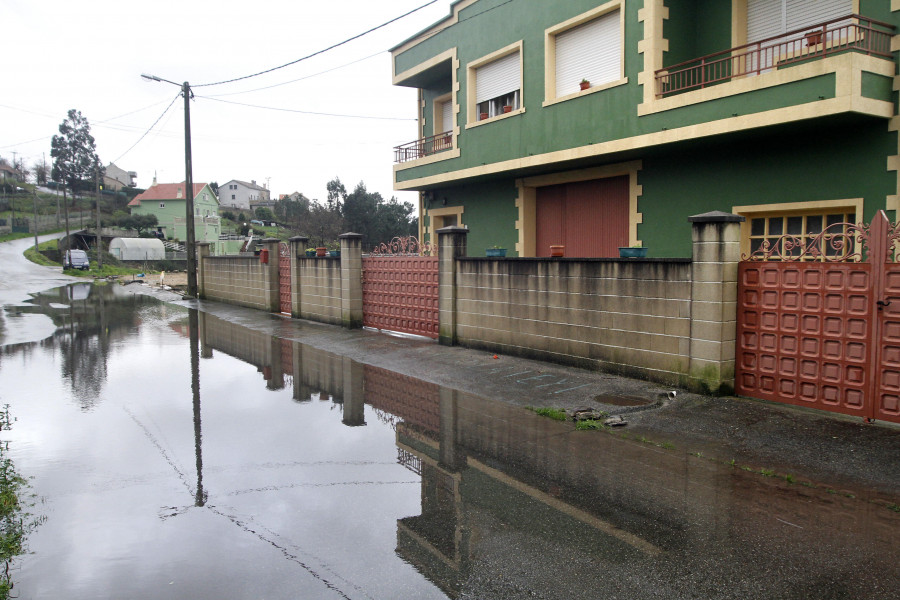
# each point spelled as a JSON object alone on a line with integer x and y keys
{"x": 177, "y": 96}
{"x": 332, "y": 47}
{"x": 359, "y": 60}
{"x": 306, "y": 112}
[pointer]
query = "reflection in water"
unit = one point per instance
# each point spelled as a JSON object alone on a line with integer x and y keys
{"x": 319, "y": 477}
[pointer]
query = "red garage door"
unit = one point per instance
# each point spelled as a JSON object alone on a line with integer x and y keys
{"x": 589, "y": 218}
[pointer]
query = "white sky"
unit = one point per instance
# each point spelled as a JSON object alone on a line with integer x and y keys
{"x": 90, "y": 54}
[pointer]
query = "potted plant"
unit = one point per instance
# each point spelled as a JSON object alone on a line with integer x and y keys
{"x": 507, "y": 108}
{"x": 321, "y": 250}
{"x": 495, "y": 252}
{"x": 557, "y": 250}
{"x": 483, "y": 116}
{"x": 585, "y": 84}
{"x": 310, "y": 252}
{"x": 813, "y": 38}
{"x": 334, "y": 249}
{"x": 635, "y": 251}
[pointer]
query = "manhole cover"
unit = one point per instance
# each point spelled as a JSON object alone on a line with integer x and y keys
{"x": 617, "y": 400}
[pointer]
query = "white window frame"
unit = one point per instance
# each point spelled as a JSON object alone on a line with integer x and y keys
{"x": 472, "y": 115}
{"x": 550, "y": 34}
{"x": 162, "y": 204}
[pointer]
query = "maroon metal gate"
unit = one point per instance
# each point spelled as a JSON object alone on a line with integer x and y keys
{"x": 400, "y": 288}
{"x": 818, "y": 321}
{"x": 284, "y": 277}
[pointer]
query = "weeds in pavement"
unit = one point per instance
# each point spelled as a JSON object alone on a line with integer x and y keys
{"x": 557, "y": 414}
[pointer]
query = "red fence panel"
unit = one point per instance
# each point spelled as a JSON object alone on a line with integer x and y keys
{"x": 400, "y": 293}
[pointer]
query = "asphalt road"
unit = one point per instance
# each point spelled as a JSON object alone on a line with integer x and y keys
{"x": 19, "y": 276}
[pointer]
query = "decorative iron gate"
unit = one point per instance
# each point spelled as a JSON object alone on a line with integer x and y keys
{"x": 284, "y": 277}
{"x": 818, "y": 321}
{"x": 400, "y": 288}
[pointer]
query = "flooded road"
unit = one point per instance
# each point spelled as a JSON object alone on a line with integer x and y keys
{"x": 177, "y": 455}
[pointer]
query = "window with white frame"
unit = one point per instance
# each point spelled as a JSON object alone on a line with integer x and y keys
{"x": 591, "y": 52}
{"x": 498, "y": 86}
{"x": 162, "y": 204}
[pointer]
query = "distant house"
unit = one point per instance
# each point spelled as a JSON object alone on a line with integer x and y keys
{"x": 240, "y": 194}
{"x": 167, "y": 202}
{"x": 115, "y": 178}
{"x": 7, "y": 173}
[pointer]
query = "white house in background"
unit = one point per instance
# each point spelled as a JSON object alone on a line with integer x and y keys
{"x": 115, "y": 178}
{"x": 239, "y": 194}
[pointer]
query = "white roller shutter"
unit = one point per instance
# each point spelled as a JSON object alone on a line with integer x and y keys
{"x": 768, "y": 18}
{"x": 591, "y": 51}
{"x": 447, "y": 116}
{"x": 497, "y": 78}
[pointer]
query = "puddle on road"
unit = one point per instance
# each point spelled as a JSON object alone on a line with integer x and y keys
{"x": 625, "y": 401}
{"x": 179, "y": 455}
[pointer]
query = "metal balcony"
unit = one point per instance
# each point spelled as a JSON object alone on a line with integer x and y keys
{"x": 423, "y": 147}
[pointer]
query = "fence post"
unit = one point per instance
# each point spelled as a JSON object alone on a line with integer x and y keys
{"x": 716, "y": 253}
{"x": 271, "y": 279}
{"x": 451, "y": 245}
{"x": 351, "y": 280}
{"x": 202, "y": 255}
{"x": 298, "y": 244}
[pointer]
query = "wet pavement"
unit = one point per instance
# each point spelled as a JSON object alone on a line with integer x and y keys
{"x": 226, "y": 453}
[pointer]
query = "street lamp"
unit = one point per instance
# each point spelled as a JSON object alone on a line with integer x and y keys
{"x": 188, "y": 183}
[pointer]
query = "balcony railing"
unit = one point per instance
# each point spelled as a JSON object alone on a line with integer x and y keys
{"x": 423, "y": 147}
{"x": 852, "y": 33}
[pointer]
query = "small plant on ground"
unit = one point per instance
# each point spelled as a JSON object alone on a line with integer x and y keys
{"x": 588, "y": 424}
{"x": 557, "y": 414}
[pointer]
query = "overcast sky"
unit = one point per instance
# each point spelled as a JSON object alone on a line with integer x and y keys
{"x": 90, "y": 54}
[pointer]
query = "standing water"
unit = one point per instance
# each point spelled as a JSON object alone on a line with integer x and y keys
{"x": 177, "y": 455}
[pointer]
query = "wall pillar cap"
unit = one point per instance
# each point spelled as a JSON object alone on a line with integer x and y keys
{"x": 717, "y": 216}
{"x": 350, "y": 236}
{"x": 298, "y": 238}
{"x": 453, "y": 229}
{"x": 271, "y": 240}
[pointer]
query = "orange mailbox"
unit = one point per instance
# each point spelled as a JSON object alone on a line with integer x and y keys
{"x": 264, "y": 256}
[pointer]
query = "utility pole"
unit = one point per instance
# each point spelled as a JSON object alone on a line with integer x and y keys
{"x": 34, "y": 197}
{"x": 99, "y": 237}
{"x": 189, "y": 184}
{"x": 189, "y": 195}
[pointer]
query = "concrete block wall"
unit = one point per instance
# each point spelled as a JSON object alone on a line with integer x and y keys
{"x": 632, "y": 317}
{"x": 239, "y": 279}
{"x": 319, "y": 289}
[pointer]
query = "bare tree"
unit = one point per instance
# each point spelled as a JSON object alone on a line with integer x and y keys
{"x": 40, "y": 171}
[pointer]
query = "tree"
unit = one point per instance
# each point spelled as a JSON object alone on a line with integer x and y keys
{"x": 74, "y": 155}
{"x": 41, "y": 171}
{"x": 264, "y": 213}
{"x": 214, "y": 186}
{"x": 23, "y": 171}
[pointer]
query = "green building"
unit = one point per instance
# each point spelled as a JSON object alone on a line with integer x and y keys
{"x": 598, "y": 124}
{"x": 167, "y": 202}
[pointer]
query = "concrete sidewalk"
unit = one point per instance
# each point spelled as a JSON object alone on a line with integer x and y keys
{"x": 804, "y": 445}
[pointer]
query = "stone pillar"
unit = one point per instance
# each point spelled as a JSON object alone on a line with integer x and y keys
{"x": 716, "y": 253}
{"x": 202, "y": 255}
{"x": 272, "y": 280}
{"x": 353, "y": 396}
{"x": 299, "y": 244}
{"x": 351, "y": 280}
{"x": 450, "y": 455}
{"x": 451, "y": 245}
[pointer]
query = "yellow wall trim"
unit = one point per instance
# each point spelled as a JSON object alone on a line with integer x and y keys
{"x": 472, "y": 112}
{"x": 653, "y": 45}
{"x": 435, "y": 213}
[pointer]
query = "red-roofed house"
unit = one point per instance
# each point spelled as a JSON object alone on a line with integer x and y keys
{"x": 167, "y": 202}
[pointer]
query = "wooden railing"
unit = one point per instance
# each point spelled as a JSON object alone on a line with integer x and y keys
{"x": 423, "y": 147}
{"x": 852, "y": 33}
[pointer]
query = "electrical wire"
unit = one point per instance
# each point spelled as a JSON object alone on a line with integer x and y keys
{"x": 359, "y": 60}
{"x": 306, "y": 112}
{"x": 177, "y": 96}
{"x": 332, "y": 47}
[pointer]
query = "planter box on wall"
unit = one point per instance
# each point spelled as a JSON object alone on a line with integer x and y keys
{"x": 632, "y": 252}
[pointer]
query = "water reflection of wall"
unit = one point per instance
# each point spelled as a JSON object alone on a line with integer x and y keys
{"x": 501, "y": 486}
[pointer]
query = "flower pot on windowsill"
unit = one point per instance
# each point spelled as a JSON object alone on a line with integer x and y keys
{"x": 483, "y": 116}
{"x": 321, "y": 250}
{"x": 557, "y": 250}
{"x": 585, "y": 84}
{"x": 495, "y": 252}
{"x": 507, "y": 109}
{"x": 632, "y": 252}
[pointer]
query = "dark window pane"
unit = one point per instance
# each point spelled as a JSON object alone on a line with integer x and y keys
{"x": 795, "y": 225}
{"x": 834, "y": 219}
{"x": 814, "y": 224}
{"x": 757, "y": 227}
{"x": 776, "y": 226}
